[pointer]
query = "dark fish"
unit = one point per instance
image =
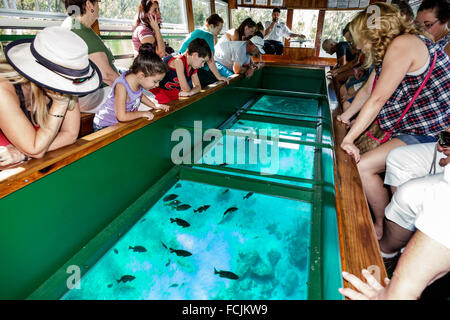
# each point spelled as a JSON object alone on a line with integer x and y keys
{"x": 137, "y": 248}
{"x": 229, "y": 210}
{"x": 170, "y": 197}
{"x": 163, "y": 244}
{"x": 110, "y": 285}
{"x": 168, "y": 262}
{"x": 183, "y": 207}
{"x": 180, "y": 253}
{"x": 174, "y": 285}
{"x": 174, "y": 203}
{"x": 116, "y": 251}
{"x": 178, "y": 186}
{"x": 180, "y": 222}
{"x": 202, "y": 208}
{"x": 226, "y": 274}
{"x": 248, "y": 195}
{"x": 142, "y": 220}
{"x": 226, "y": 191}
{"x": 126, "y": 278}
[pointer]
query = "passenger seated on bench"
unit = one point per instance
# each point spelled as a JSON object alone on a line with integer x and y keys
{"x": 409, "y": 170}
{"x": 342, "y": 49}
{"x": 82, "y": 15}
{"x": 182, "y": 80}
{"x": 402, "y": 76}
{"x": 234, "y": 57}
{"x": 427, "y": 255}
{"x": 126, "y": 94}
{"x": 39, "y": 109}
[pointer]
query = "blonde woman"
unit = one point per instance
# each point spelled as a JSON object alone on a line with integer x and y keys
{"x": 38, "y": 85}
{"x": 401, "y": 73}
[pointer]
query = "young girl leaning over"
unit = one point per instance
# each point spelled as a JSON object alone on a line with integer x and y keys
{"x": 126, "y": 94}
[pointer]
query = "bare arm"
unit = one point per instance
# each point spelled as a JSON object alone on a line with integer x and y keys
{"x": 212, "y": 66}
{"x": 122, "y": 114}
{"x": 361, "y": 97}
{"x": 423, "y": 262}
{"x": 149, "y": 103}
{"x": 269, "y": 28}
{"x": 342, "y": 61}
{"x": 196, "y": 89}
{"x": 101, "y": 60}
{"x": 68, "y": 133}
{"x": 398, "y": 60}
{"x": 345, "y": 67}
{"x": 20, "y": 131}
{"x": 160, "y": 45}
{"x": 234, "y": 36}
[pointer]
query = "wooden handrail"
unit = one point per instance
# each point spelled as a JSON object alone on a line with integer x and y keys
{"x": 357, "y": 236}
{"x": 15, "y": 178}
{"x": 26, "y": 173}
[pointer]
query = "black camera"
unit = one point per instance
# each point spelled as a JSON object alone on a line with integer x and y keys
{"x": 444, "y": 138}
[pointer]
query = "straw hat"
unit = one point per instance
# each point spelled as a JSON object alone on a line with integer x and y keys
{"x": 56, "y": 59}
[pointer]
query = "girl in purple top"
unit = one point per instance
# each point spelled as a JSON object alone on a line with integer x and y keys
{"x": 126, "y": 94}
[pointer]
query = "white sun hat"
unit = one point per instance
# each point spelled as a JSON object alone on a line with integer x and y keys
{"x": 258, "y": 42}
{"x": 56, "y": 59}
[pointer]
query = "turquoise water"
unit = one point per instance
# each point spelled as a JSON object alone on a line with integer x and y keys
{"x": 264, "y": 242}
{"x": 291, "y": 159}
{"x": 287, "y": 105}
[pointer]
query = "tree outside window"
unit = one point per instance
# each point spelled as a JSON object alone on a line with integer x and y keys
{"x": 258, "y": 15}
{"x": 305, "y": 22}
{"x": 334, "y": 22}
{"x": 202, "y": 10}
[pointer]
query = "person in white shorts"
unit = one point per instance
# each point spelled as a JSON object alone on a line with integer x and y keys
{"x": 427, "y": 256}
{"x": 409, "y": 171}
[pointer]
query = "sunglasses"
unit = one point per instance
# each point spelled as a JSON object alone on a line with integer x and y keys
{"x": 429, "y": 25}
{"x": 78, "y": 80}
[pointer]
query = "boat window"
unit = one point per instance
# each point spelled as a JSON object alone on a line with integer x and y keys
{"x": 333, "y": 24}
{"x": 258, "y": 15}
{"x": 202, "y": 10}
{"x": 222, "y": 11}
{"x": 304, "y": 22}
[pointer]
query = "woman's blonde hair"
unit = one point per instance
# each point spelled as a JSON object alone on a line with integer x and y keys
{"x": 380, "y": 31}
{"x": 39, "y": 110}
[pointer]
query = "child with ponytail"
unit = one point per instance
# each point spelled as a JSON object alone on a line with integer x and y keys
{"x": 126, "y": 94}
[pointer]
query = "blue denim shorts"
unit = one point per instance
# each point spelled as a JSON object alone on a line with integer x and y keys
{"x": 224, "y": 71}
{"x": 415, "y": 138}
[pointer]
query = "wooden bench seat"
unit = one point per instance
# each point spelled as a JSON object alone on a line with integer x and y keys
{"x": 86, "y": 124}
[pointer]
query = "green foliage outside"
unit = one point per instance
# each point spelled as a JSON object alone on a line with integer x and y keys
{"x": 335, "y": 21}
{"x": 202, "y": 11}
